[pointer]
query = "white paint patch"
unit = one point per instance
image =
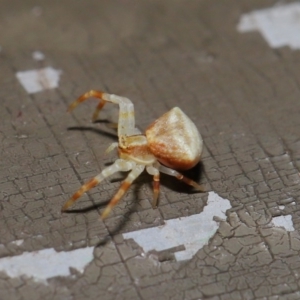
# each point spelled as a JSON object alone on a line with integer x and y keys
{"x": 193, "y": 232}
{"x": 279, "y": 25}
{"x": 44, "y": 264}
{"x": 35, "y": 81}
{"x": 38, "y": 55}
{"x": 284, "y": 221}
{"x": 18, "y": 242}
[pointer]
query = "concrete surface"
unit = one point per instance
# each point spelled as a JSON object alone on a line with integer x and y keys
{"x": 242, "y": 94}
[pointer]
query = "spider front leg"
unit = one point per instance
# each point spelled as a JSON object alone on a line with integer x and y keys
{"x": 136, "y": 171}
{"x": 126, "y": 123}
{"x": 119, "y": 165}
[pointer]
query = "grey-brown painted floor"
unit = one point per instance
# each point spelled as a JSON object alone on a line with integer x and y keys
{"x": 243, "y": 96}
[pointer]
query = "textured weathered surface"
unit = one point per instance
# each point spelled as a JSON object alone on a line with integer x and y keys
{"x": 242, "y": 95}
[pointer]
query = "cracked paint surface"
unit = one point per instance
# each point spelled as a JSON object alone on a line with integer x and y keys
{"x": 192, "y": 232}
{"x": 242, "y": 95}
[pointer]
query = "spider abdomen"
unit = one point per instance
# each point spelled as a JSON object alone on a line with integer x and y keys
{"x": 174, "y": 140}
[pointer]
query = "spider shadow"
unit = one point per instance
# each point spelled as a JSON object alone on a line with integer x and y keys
{"x": 96, "y": 130}
{"x": 121, "y": 221}
{"x": 176, "y": 185}
{"x": 120, "y": 224}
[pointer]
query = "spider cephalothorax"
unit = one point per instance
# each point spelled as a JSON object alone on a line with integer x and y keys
{"x": 171, "y": 142}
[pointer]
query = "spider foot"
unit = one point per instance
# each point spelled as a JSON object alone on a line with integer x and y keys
{"x": 89, "y": 185}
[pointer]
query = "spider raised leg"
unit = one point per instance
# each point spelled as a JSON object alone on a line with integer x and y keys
{"x": 126, "y": 123}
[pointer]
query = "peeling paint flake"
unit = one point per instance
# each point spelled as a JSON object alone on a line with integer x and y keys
{"x": 38, "y": 55}
{"x": 279, "y": 25}
{"x": 193, "y": 232}
{"x": 44, "y": 264}
{"x": 284, "y": 221}
{"x": 35, "y": 81}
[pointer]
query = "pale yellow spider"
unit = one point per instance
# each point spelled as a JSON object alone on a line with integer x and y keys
{"x": 172, "y": 141}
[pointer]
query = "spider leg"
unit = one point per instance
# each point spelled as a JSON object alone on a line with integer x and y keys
{"x": 155, "y": 189}
{"x": 111, "y": 147}
{"x": 92, "y": 93}
{"x": 181, "y": 177}
{"x": 136, "y": 171}
{"x": 126, "y": 123}
{"x": 156, "y": 183}
{"x": 98, "y": 109}
{"x": 119, "y": 165}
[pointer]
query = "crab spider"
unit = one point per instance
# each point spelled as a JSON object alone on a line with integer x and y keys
{"x": 171, "y": 142}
